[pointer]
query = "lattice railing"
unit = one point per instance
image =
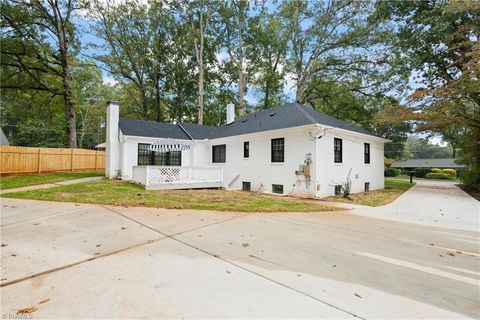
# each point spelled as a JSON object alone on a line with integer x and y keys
{"x": 158, "y": 175}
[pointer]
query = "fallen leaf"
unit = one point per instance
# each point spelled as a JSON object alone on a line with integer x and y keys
{"x": 36, "y": 224}
{"x": 4, "y": 245}
{"x": 27, "y": 310}
{"x": 123, "y": 228}
{"x": 299, "y": 275}
{"x": 334, "y": 266}
{"x": 440, "y": 255}
{"x": 43, "y": 301}
{"x": 357, "y": 295}
{"x": 245, "y": 244}
{"x": 99, "y": 245}
{"x": 96, "y": 253}
{"x": 451, "y": 254}
{"x": 13, "y": 255}
{"x": 228, "y": 272}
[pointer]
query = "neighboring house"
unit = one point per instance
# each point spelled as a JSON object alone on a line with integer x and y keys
{"x": 3, "y": 139}
{"x": 412, "y": 164}
{"x": 289, "y": 150}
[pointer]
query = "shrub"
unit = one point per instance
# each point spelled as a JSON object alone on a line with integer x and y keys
{"x": 421, "y": 172}
{"x": 392, "y": 172}
{"x": 451, "y": 172}
{"x": 387, "y": 162}
{"x": 436, "y": 175}
{"x": 347, "y": 188}
{"x": 470, "y": 179}
{"x": 436, "y": 170}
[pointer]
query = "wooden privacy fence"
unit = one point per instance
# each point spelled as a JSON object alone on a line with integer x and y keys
{"x": 37, "y": 160}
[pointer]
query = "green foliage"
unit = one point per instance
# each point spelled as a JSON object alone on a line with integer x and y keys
{"x": 470, "y": 180}
{"x": 392, "y": 172}
{"x": 436, "y": 170}
{"x": 387, "y": 162}
{"x": 417, "y": 148}
{"x": 437, "y": 45}
{"x": 347, "y": 188}
{"x": 451, "y": 172}
{"x": 421, "y": 172}
{"x": 436, "y": 175}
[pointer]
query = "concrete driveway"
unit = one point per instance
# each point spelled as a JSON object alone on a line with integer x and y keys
{"x": 88, "y": 261}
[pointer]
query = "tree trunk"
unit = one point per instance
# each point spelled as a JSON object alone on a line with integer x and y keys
{"x": 158, "y": 101}
{"x": 200, "y": 67}
{"x": 69, "y": 106}
{"x": 67, "y": 82}
{"x": 267, "y": 95}
{"x": 241, "y": 76}
{"x": 299, "y": 92}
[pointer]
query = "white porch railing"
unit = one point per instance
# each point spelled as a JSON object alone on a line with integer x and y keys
{"x": 168, "y": 177}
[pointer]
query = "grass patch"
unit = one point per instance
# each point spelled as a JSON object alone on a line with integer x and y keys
{"x": 10, "y": 182}
{"x": 122, "y": 193}
{"x": 393, "y": 189}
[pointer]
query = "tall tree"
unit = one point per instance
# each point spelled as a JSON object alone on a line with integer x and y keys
{"x": 235, "y": 19}
{"x": 327, "y": 38}
{"x": 268, "y": 42}
{"x": 198, "y": 20}
{"x": 38, "y": 44}
{"x": 438, "y": 43}
{"x": 124, "y": 29}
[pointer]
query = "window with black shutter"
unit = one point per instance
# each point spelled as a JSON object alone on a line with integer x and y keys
{"x": 246, "y": 149}
{"x": 366, "y": 152}
{"x": 278, "y": 150}
{"x": 337, "y": 149}
{"x": 219, "y": 153}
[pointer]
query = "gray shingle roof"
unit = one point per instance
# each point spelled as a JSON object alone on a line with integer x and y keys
{"x": 427, "y": 163}
{"x": 287, "y": 116}
{"x": 143, "y": 128}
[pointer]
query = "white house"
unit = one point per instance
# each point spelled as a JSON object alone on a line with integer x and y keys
{"x": 289, "y": 150}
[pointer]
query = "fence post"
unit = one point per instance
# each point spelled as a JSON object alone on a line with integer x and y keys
{"x": 71, "y": 159}
{"x": 96, "y": 161}
{"x": 39, "y": 162}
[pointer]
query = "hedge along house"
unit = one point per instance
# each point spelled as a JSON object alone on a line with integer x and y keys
{"x": 289, "y": 150}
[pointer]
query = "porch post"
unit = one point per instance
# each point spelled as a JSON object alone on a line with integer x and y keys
{"x": 147, "y": 169}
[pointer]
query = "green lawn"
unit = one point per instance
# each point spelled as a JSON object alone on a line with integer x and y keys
{"x": 393, "y": 189}
{"x": 10, "y": 182}
{"x": 121, "y": 193}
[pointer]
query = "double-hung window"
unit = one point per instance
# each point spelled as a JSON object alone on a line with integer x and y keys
{"x": 366, "y": 153}
{"x": 219, "y": 153}
{"x": 278, "y": 150}
{"x": 337, "y": 150}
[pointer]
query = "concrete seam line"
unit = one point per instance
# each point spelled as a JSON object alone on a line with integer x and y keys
{"x": 16, "y": 224}
{"x": 178, "y": 233}
{"x": 78, "y": 263}
{"x": 164, "y": 236}
{"x": 239, "y": 266}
